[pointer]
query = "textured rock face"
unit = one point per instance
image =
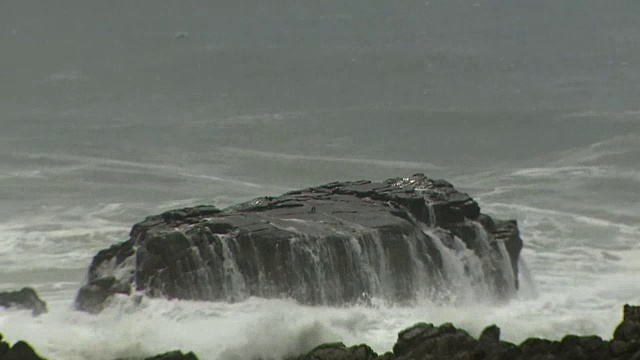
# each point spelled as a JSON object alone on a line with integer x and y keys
{"x": 395, "y": 240}
{"x": 339, "y": 351}
{"x": 19, "y": 351}
{"x": 26, "y": 298}
{"x": 445, "y": 342}
{"x": 174, "y": 355}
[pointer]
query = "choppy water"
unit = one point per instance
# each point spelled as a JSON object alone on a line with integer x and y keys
{"x": 108, "y": 117}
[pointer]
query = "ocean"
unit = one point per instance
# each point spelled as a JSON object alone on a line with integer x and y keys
{"x": 113, "y": 111}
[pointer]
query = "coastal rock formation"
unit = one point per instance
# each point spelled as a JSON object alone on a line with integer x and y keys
{"x": 395, "y": 240}
{"x": 26, "y": 298}
{"x": 173, "y": 355}
{"x": 445, "y": 342}
{"x": 19, "y": 351}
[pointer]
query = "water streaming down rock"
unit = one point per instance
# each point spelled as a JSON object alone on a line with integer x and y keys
{"x": 527, "y": 284}
{"x": 397, "y": 240}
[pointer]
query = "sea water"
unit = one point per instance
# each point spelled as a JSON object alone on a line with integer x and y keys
{"x": 107, "y": 117}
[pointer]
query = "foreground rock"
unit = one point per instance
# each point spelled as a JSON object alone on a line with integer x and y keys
{"x": 26, "y": 298}
{"x": 446, "y": 342}
{"x": 331, "y": 244}
{"x": 23, "y": 351}
{"x": 19, "y": 351}
{"x": 174, "y": 355}
{"x": 171, "y": 355}
{"x": 429, "y": 342}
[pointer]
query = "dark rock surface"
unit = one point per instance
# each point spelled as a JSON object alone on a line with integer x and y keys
{"x": 26, "y": 298}
{"x": 19, "y": 351}
{"x": 174, "y": 355}
{"x": 322, "y": 245}
{"x": 429, "y": 342}
{"x": 23, "y": 351}
{"x": 338, "y": 351}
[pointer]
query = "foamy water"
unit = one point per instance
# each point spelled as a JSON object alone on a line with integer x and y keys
{"x": 580, "y": 262}
{"x": 107, "y": 117}
{"x": 576, "y": 272}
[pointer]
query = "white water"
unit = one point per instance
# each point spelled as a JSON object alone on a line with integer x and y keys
{"x": 573, "y": 260}
{"x": 577, "y": 269}
{"x": 107, "y": 118}
{"x": 557, "y": 299}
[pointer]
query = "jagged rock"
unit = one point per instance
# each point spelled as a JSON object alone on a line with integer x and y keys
{"x": 583, "y": 347}
{"x": 322, "y": 245}
{"x": 534, "y": 347}
{"x": 174, "y": 355}
{"x": 93, "y": 296}
{"x": 493, "y": 349}
{"x": 626, "y": 337}
{"x": 19, "y": 351}
{"x": 338, "y": 351}
{"x": 426, "y": 341}
{"x": 630, "y": 326}
{"x": 170, "y": 355}
{"x": 490, "y": 335}
{"x": 387, "y": 356}
{"x": 4, "y": 347}
{"x": 26, "y": 298}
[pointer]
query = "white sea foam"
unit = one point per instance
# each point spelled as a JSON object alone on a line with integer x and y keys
{"x": 66, "y": 75}
{"x": 399, "y": 164}
{"x": 409, "y": 92}
{"x": 626, "y": 116}
{"x": 562, "y": 171}
{"x": 567, "y": 285}
{"x": 83, "y": 162}
{"x": 276, "y": 328}
{"x": 616, "y": 150}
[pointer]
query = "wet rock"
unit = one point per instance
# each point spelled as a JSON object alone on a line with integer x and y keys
{"x": 629, "y": 329}
{"x": 490, "y": 335}
{"x": 426, "y": 341}
{"x": 534, "y": 347}
{"x": 492, "y": 348}
{"x": 4, "y": 347}
{"x": 19, "y": 351}
{"x": 387, "y": 356}
{"x": 338, "y": 351}
{"x": 174, "y": 355}
{"x": 322, "y": 245}
{"x": 26, "y": 298}
{"x": 93, "y": 296}
{"x": 583, "y": 347}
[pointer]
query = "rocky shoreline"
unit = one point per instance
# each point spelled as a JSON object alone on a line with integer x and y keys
{"x": 444, "y": 342}
{"x": 424, "y": 341}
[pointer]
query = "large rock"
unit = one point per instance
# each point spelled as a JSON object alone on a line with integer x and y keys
{"x": 19, "y": 351}
{"x": 338, "y": 351}
{"x": 626, "y": 337}
{"x": 174, "y": 355}
{"x": 333, "y": 244}
{"x": 26, "y": 298}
